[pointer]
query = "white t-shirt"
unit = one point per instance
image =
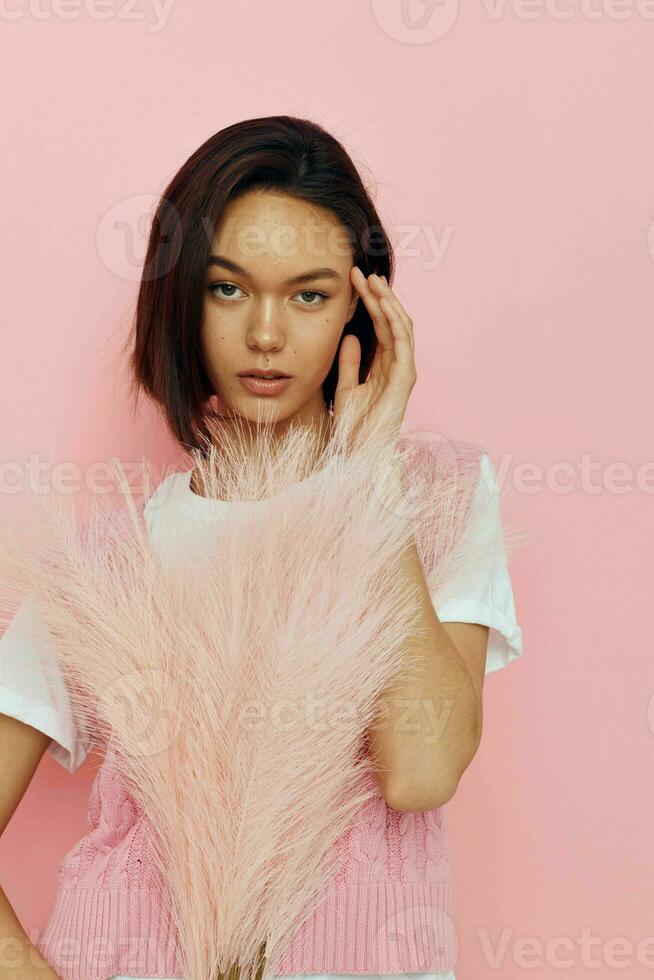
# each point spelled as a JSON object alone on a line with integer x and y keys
{"x": 39, "y": 697}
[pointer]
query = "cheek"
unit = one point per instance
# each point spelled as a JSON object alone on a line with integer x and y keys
{"x": 216, "y": 352}
{"x": 333, "y": 326}
{"x": 324, "y": 335}
{"x": 219, "y": 331}
{"x": 318, "y": 352}
{"x": 334, "y": 318}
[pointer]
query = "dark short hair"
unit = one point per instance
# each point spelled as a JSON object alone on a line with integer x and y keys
{"x": 278, "y": 153}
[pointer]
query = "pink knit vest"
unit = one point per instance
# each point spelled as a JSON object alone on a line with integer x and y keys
{"x": 388, "y": 909}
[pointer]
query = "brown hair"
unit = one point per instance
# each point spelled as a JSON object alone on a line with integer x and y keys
{"x": 281, "y": 153}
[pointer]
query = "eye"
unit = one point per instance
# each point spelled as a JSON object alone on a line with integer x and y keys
{"x": 317, "y": 298}
{"x": 222, "y": 285}
{"x": 313, "y": 292}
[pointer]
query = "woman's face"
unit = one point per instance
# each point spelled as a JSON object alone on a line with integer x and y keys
{"x": 258, "y": 312}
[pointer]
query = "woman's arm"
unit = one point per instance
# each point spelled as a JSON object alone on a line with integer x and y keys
{"x": 21, "y": 749}
{"x": 431, "y": 721}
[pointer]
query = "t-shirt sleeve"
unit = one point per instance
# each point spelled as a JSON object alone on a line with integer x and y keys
{"x": 33, "y": 690}
{"x": 488, "y": 598}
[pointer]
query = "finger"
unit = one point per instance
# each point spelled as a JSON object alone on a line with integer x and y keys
{"x": 379, "y": 283}
{"x": 377, "y": 315}
{"x": 349, "y": 360}
{"x": 403, "y": 337}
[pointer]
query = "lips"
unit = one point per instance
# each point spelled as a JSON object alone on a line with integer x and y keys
{"x": 262, "y": 374}
{"x": 264, "y": 386}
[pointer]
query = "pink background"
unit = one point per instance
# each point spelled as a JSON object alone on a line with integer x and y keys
{"x": 523, "y": 141}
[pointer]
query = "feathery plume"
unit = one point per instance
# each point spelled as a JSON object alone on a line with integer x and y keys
{"x": 232, "y": 685}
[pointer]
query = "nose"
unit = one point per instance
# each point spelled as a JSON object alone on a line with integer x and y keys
{"x": 266, "y": 329}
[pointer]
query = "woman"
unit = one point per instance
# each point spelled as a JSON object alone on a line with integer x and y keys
{"x": 267, "y": 257}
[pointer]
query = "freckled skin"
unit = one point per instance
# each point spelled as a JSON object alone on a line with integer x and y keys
{"x": 260, "y": 321}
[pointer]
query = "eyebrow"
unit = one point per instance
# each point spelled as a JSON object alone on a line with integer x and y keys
{"x": 325, "y": 272}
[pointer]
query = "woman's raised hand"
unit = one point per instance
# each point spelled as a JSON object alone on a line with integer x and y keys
{"x": 393, "y": 372}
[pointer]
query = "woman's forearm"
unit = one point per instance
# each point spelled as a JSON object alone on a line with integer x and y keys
{"x": 430, "y": 721}
{"x": 19, "y": 958}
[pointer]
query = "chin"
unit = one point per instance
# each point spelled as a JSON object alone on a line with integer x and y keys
{"x": 260, "y": 409}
